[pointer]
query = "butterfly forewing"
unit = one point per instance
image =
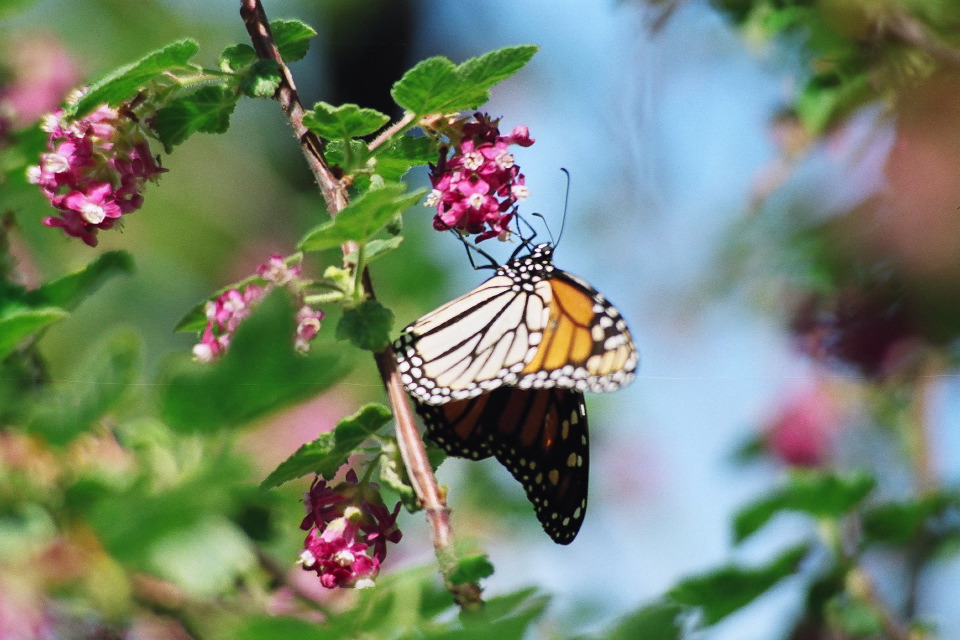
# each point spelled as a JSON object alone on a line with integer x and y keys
{"x": 531, "y": 325}
{"x": 539, "y": 435}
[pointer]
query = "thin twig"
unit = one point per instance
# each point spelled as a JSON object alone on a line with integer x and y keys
{"x": 334, "y": 193}
{"x": 391, "y": 131}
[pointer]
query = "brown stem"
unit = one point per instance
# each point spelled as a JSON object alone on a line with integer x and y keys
{"x": 334, "y": 193}
{"x": 909, "y": 30}
{"x": 390, "y": 131}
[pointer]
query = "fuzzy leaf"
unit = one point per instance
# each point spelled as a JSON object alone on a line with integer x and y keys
{"x": 68, "y": 409}
{"x": 367, "y": 326}
{"x": 660, "y": 620}
{"x": 362, "y": 218}
{"x": 393, "y": 475}
{"x": 398, "y": 157}
{"x": 69, "y": 290}
{"x": 343, "y": 122}
{"x": 263, "y": 79}
{"x": 437, "y": 85}
{"x": 292, "y": 38}
{"x": 206, "y": 110}
{"x": 236, "y": 57}
{"x": 471, "y": 569}
{"x": 331, "y": 450}
{"x": 374, "y": 249}
{"x": 123, "y": 83}
{"x": 719, "y": 593}
{"x": 16, "y": 325}
{"x": 818, "y": 494}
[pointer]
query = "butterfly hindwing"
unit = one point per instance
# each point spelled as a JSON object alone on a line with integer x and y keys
{"x": 539, "y": 435}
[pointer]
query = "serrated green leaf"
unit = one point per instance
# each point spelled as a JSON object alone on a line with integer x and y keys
{"x": 367, "y": 326}
{"x": 331, "y": 450}
{"x": 660, "y": 620}
{"x": 260, "y": 373}
{"x": 17, "y": 325}
{"x": 721, "y": 592}
{"x": 292, "y": 38}
{"x": 822, "y": 495}
{"x": 262, "y": 80}
{"x": 236, "y": 57}
{"x": 69, "y": 290}
{"x": 374, "y": 249}
{"x": 349, "y": 158}
{"x": 123, "y": 83}
{"x": 343, "y": 122}
{"x": 436, "y": 85}
{"x": 362, "y": 218}
{"x": 67, "y": 409}
{"x": 206, "y": 110}
{"x": 398, "y": 157}
{"x": 471, "y": 569}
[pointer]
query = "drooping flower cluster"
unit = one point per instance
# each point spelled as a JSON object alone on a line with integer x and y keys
{"x": 476, "y": 189}
{"x": 344, "y": 523}
{"x": 94, "y": 170}
{"x": 229, "y": 309}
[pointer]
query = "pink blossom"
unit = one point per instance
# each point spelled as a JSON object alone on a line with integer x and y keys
{"x": 801, "y": 433}
{"x": 95, "y": 170}
{"x": 344, "y": 523}
{"x": 476, "y": 189}
{"x": 308, "y": 325}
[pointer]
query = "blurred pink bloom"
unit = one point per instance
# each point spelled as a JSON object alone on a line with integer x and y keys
{"x": 38, "y": 74}
{"x": 802, "y": 431}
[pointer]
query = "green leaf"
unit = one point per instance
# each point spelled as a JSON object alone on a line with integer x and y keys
{"x": 471, "y": 569}
{"x": 374, "y": 250}
{"x": 822, "y": 495}
{"x": 206, "y": 110}
{"x": 292, "y": 38}
{"x": 436, "y": 85}
{"x": 362, "y": 218}
{"x": 719, "y": 593}
{"x": 17, "y": 325}
{"x": 11, "y": 7}
{"x": 854, "y": 618}
{"x": 236, "y": 57}
{"x": 65, "y": 410}
{"x": 123, "y": 83}
{"x": 351, "y": 158}
{"x": 68, "y": 291}
{"x": 660, "y": 620}
{"x": 829, "y": 96}
{"x": 259, "y": 374}
{"x": 367, "y": 326}
{"x": 396, "y": 158}
{"x": 393, "y": 475}
{"x": 331, "y": 450}
{"x": 263, "y": 79}
{"x": 343, "y": 122}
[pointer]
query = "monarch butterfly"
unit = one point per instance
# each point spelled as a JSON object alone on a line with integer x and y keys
{"x": 502, "y": 369}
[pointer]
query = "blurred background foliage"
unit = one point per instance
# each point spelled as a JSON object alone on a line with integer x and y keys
{"x": 766, "y": 188}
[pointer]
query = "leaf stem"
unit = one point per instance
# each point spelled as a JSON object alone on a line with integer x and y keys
{"x": 334, "y": 194}
{"x": 398, "y": 127}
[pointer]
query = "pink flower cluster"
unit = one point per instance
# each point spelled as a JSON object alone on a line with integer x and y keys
{"x": 343, "y": 524}
{"x": 94, "y": 171}
{"x": 229, "y": 309}
{"x": 475, "y": 190}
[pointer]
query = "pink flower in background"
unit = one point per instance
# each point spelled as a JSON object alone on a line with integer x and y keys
{"x": 95, "y": 170}
{"x": 229, "y": 309}
{"x": 37, "y": 74}
{"x": 802, "y": 431}
{"x": 476, "y": 189}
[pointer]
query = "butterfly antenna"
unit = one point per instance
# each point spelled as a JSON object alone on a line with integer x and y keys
{"x": 566, "y": 203}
